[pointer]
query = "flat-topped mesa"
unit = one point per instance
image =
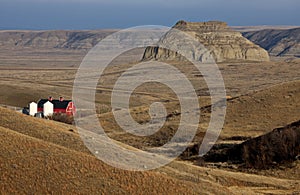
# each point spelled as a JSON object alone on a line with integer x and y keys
{"x": 210, "y": 26}
{"x": 218, "y": 39}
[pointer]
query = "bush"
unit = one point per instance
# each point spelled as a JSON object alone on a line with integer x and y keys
{"x": 62, "y": 117}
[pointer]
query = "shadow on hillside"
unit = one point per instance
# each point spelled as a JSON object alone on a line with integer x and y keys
{"x": 281, "y": 146}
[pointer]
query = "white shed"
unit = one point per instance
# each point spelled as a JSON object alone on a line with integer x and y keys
{"x": 33, "y": 108}
{"x": 48, "y": 109}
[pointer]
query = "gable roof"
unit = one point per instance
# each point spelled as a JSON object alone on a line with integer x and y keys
{"x": 56, "y": 103}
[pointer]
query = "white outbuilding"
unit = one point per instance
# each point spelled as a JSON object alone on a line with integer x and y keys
{"x": 33, "y": 108}
{"x": 48, "y": 109}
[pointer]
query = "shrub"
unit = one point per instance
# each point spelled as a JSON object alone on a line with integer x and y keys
{"x": 62, "y": 117}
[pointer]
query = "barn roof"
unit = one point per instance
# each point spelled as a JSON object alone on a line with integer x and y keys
{"x": 57, "y": 104}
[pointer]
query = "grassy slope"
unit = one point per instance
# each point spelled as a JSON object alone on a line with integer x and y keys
{"x": 249, "y": 115}
{"x": 32, "y": 165}
{"x": 261, "y": 112}
{"x": 45, "y": 163}
{"x": 45, "y": 157}
{"x": 50, "y": 131}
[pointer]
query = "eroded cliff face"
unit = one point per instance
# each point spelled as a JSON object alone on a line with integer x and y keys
{"x": 217, "y": 39}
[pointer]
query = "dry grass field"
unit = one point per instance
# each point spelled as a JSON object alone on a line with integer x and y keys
{"x": 45, "y": 157}
{"x": 56, "y": 161}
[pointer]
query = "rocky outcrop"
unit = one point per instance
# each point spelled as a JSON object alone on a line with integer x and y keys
{"x": 277, "y": 42}
{"x": 219, "y": 41}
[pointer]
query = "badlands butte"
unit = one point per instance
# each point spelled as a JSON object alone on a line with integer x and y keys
{"x": 223, "y": 43}
{"x": 258, "y": 150}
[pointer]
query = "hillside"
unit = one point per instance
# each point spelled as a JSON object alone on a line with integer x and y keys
{"x": 260, "y": 112}
{"x": 280, "y": 41}
{"x": 83, "y": 40}
{"x": 247, "y": 116}
{"x": 278, "y": 147}
{"x": 263, "y": 27}
{"x": 29, "y": 165}
{"x": 33, "y": 161}
{"x": 228, "y": 44}
{"x": 277, "y": 42}
{"x": 34, "y": 155}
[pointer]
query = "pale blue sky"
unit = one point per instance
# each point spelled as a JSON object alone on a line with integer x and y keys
{"x": 99, "y": 14}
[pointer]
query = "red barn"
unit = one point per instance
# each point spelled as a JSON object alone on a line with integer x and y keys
{"x": 59, "y": 106}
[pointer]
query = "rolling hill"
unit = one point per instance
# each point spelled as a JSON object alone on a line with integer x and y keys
{"x": 277, "y": 42}
{"x": 45, "y": 157}
{"x": 82, "y": 40}
{"x": 40, "y": 156}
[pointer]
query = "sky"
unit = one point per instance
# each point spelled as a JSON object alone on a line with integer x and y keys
{"x": 116, "y": 14}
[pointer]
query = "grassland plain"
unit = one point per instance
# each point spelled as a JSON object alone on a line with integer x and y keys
{"x": 41, "y": 156}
